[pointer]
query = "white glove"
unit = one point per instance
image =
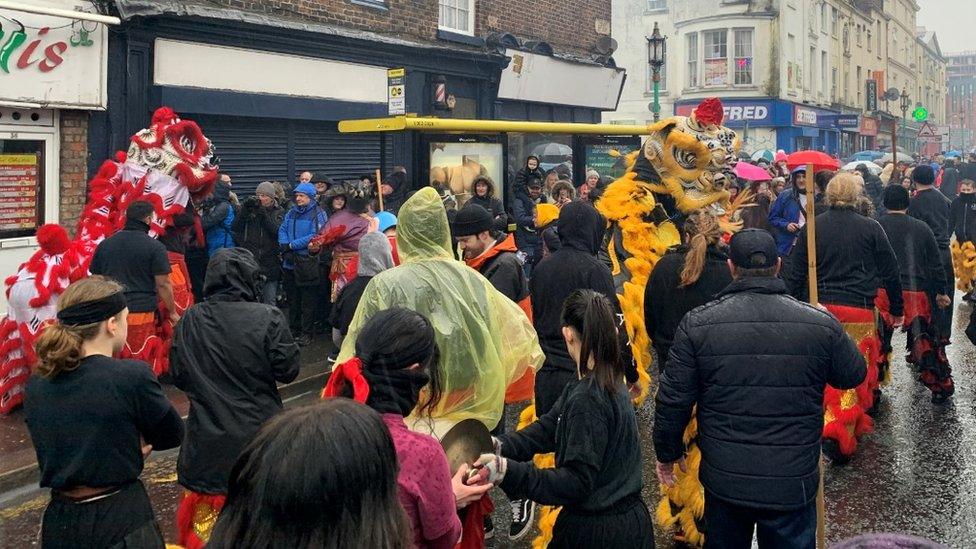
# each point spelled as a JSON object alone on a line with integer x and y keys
{"x": 491, "y": 468}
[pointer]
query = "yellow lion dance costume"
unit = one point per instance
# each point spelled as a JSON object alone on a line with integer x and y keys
{"x": 679, "y": 169}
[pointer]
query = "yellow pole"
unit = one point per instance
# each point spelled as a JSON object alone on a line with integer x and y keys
{"x": 401, "y": 123}
{"x": 815, "y": 300}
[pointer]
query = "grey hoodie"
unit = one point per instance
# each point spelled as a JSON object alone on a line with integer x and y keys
{"x": 375, "y": 254}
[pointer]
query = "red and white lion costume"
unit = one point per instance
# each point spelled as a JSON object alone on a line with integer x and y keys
{"x": 167, "y": 164}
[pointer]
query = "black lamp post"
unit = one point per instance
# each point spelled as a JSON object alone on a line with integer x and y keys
{"x": 906, "y": 103}
{"x": 656, "y": 52}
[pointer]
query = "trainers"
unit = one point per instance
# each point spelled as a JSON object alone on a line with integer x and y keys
{"x": 489, "y": 528}
{"x": 523, "y": 515}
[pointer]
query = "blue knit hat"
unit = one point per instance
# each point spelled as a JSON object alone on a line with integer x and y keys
{"x": 305, "y": 188}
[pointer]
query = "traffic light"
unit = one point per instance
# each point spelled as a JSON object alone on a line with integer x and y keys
{"x": 920, "y": 114}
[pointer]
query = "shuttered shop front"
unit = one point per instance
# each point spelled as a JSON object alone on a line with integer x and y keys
{"x": 252, "y": 150}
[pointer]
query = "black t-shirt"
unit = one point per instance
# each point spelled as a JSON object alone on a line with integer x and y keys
{"x": 86, "y": 424}
{"x": 133, "y": 258}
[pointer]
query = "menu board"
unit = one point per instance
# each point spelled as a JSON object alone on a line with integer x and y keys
{"x": 18, "y": 191}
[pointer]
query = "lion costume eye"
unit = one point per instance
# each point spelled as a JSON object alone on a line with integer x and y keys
{"x": 686, "y": 159}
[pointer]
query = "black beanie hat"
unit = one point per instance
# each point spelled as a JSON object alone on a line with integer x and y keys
{"x": 895, "y": 197}
{"x": 472, "y": 219}
{"x": 923, "y": 174}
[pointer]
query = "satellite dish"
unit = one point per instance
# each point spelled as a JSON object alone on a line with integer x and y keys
{"x": 605, "y": 45}
{"x": 892, "y": 94}
{"x": 538, "y": 46}
{"x": 502, "y": 40}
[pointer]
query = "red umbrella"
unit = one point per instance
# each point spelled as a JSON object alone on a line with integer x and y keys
{"x": 820, "y": 160}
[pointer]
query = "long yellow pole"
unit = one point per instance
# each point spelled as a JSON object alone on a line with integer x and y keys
{"x": 400, "y": 123}
{"x": 815, "y": 300}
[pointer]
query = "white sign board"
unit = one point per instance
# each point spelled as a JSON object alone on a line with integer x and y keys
{"x": 52, "y": 61}
{"x": 942, "y": 129}
{"x": 544, "y": 79}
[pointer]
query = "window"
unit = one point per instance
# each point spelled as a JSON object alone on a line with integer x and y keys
{"x": 823, "y": 18}
{"x": 859, "y": 42}
{"x": 857, "y": 84}
{"x": 878, "y": 36}
{"x": 657, "y": 5}
{"x": 457, "y": 16}
{"x": 811, "y": 74}
{"x": 716, "y": 57}
{"x": 743, "y": 56}
{"x": 833, "y": 84}
{"x": 834, "y": 22}
{"x": 823, "y": 72}
{"x": 692, "y": 42}
{"x": 847, "y": 85}
{"x": 869, "y": 40}
{"x": 22, "y": 173}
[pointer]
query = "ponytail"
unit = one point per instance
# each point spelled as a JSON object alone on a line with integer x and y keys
{"x": 59, "y": 347}
{"x": 591, "y": 315}
{"x": 704, "y": 231}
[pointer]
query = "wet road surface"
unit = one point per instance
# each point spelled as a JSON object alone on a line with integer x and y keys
{"x": 915, "y": 474}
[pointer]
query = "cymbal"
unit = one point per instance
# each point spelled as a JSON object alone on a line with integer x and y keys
{"x": 465, "y": 442}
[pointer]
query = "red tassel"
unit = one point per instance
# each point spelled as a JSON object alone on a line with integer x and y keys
{"x": 350, "y": 371}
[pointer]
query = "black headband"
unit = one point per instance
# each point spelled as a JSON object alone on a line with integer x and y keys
{"x": 90, "y": 312}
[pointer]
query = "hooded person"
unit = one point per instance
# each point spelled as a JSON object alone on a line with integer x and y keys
{"x": 485, "y": 341}
{"x": 873, "y": 188}
{"x": 217, "y": 219}
{"x": 228, "y": 354}
{"x": 531, "y": 170}
{"x": 395, "y": 188}
{"x": 375, "y": 256}
{"x": 354, "y": 222}
{"x": 302, "y": 276}
{"x": 483, "y": 194}
{"x": 572, "y": 267}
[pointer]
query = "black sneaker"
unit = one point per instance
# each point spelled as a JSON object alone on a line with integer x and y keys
{"x": 832, "y": 451}
{"x": 523, "y": 515}
{"x": 489, "y": 528}
{"x": 303, "y": 340}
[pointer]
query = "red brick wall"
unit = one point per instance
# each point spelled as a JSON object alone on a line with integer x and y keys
{"x": 568, "y": 26}
{"x": 74, "y": 166}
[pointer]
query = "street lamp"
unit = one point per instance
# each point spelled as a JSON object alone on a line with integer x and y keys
{"x": 906, "y": 103}
{"x": 656, "y": 51}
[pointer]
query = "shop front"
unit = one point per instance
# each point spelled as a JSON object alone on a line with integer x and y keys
{"x": 52, "y": 71}
{"x": 765, "y": 123}
{"x": 868, "y": 134}
{"x": 848, "y": 126}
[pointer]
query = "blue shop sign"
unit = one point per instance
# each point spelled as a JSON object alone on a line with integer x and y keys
{"x": 739, "y": 112}
{"x": 842, "y": 121}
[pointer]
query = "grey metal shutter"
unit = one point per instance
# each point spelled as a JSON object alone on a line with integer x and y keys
{"x": 251, "y": 150}
{"x": 320, "y": 148}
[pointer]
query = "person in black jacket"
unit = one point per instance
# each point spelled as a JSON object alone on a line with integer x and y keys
{"x": 873, "y": 187}
{"x": 592, "y": 429}
{"x": 756, "y": 362}
{"x": 93, "y": 421}
{"x": 227, "y": 355}
{"x": 932, "y": 207}
{"x": 924, "y": 289}
{"x": 256, "y": 230}
{"x": 395, "y": 188}
{"x": 530, "y": 171}
{"x": 686, "y": 277}
{"x": 853, "y": 257}
{"x": 489, "y": 252}
{"x": 484, "y": 196}
{"x": 950, "y": 179}
{"x": 526, "y": 236}
{"x": 573, "y": 267}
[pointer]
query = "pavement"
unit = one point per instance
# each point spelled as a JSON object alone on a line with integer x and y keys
{"x": 914, "y": 474}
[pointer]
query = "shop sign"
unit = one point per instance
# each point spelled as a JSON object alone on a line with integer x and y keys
{"x": 396, "y": 91}
{"x": 18, "y": 191}
{"x": 738, "y": 112}
{"x": 52, "y": 61}
{"x": 869, "y": 126}
{"x": 803, "y": 116}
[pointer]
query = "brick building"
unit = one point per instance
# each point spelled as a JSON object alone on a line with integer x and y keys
{"x": 960, "y": 100}
{"x": 268, "y": 80}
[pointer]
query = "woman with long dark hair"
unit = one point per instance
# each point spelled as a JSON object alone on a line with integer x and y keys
{"x": 395, "y": 372}
{"x": 320, "y": 476}
{"x": 686, "y": 277}
{"x": 93, "y": 420}
{"x": 592, "y": 428}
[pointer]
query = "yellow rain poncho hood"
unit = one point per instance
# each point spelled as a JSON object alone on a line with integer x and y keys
{"x": 485, "y": 340}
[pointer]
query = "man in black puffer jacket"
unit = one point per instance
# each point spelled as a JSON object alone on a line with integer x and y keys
{"x": 756, "y": 362}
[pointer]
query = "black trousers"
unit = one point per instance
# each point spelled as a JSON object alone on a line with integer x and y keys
{"x": 122, "y": 520}
{"x": 730, "y": 526}
{"x": 302, "y": 301}
{"x": 549, "y": 384}
{"x": 626, "y": 525}
{"x": 942, "y": 318}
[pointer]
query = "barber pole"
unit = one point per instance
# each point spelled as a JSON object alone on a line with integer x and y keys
{"x": 440, "y": 92}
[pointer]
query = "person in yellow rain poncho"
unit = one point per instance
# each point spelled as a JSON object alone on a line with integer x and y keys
{"x": 484, "y": 338}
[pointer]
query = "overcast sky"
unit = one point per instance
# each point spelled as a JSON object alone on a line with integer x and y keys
{"x": 954, "y": 22}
